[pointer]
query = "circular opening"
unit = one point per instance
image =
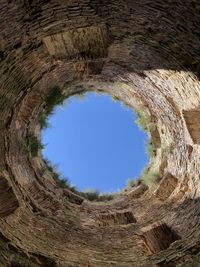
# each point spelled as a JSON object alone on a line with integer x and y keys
{"x": 95, "y": 143}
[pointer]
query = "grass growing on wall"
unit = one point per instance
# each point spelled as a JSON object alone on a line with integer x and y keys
{"x": 143, "y": 121}
{"x": 34, "y": 145}
{"x": 145, "y": 124}
{"x": 55, "y": 97}
{"x": 150, "y": 149}
{"x": 130, "y": 183}
{"x": 150, "y": 177}
{"x": 43, "y": 121}
{"x": 63, "y": 182}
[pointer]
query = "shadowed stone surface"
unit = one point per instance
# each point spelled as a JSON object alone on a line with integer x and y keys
{"x": 166, "y": 186}
{"x": 88, "y": 42}
{"x": 143, "y": 52}
{"x": 159, "y": 237}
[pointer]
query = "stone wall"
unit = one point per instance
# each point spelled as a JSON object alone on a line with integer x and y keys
{"x": 143, "y": 52}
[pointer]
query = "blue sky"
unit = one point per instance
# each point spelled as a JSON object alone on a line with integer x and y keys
{"x": 95, "y": 142}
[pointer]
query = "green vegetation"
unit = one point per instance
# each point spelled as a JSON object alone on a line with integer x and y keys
{"x": 115, "y": 98}
{"x": 145, "y": 124}
{"x": 105, "y": 197}
{"x": 80, "y": 95}
{"x": 55, "y": 97}
{"x": 143, "y": 121}
{"x": 94, "y": 195}
{"x": 63, "y": 182}
{"x": 150, "y": 178}
{"x": 130, "y": 183}
{"x": 90, "y": 194}
{"x": 118, "y": 84}
{"x": 43, "y": 121}
{"x": 34, "y": 145}
{"x": 150, "y": 149}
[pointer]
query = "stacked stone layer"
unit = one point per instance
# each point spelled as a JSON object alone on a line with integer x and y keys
{"x": 143, "y": 52}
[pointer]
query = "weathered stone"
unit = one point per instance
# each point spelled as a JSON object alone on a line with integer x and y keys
{"x": 117, "y": 218}
{"x": 137, "y": 191}
{"x": 82, "y": 43}
{"x": 166, "y": 186}
{"x": 8, "y": 200}
{"x": 144, "y": 53}
{"x": 159, "y": 237}
{"x": 192, "y": 119}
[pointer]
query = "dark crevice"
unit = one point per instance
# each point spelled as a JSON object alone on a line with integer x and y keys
{"x": 159, "y": 237}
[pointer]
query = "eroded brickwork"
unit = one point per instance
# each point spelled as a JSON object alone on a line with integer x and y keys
{"x": 143, "y": 52}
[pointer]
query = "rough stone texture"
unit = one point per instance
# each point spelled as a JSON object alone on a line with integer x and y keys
{"x": 137, "y": 191}
{"x": 166, "y": 187}
{"x": 117, "y": 218}
{"x": 192, "y": 120}
{"x": 88, "y": 42}
{"x": 144, "y": 52}
{"x": 159, "y": 237}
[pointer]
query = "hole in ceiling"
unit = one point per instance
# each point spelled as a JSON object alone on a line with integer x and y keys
{"x": 95, "y": 143}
